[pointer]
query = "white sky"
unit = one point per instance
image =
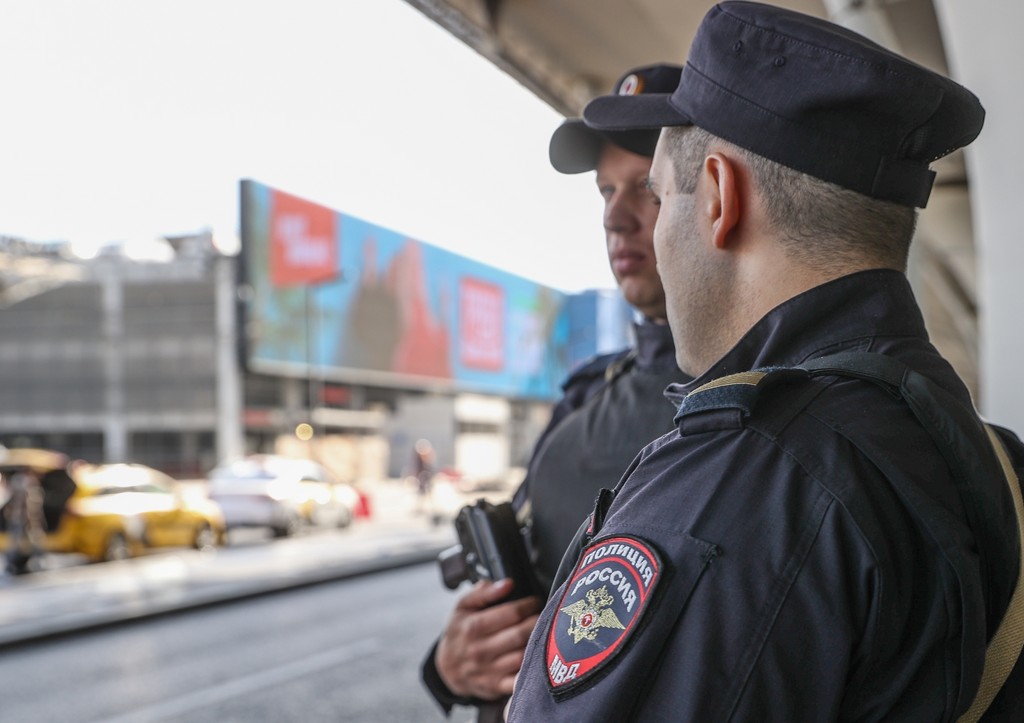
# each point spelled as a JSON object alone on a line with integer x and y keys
{"x": 124, "y": 120}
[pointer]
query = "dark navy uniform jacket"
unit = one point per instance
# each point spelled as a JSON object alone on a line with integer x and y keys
{"x": 595, "y": 433}
{"x": 612, "y": 406}
{"x": 759, "y": 567}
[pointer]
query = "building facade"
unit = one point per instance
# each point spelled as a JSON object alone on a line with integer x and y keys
{"x": 114, "y": 359}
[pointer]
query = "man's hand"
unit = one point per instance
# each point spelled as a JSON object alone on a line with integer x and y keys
{"x": 482, "y": 647}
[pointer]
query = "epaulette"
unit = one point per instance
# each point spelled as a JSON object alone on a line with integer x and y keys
{"x": 735, "y": 391}
{"x": 596, "y": 366}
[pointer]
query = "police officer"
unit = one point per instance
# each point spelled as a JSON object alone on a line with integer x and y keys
{"x": 801, "y": 551}
{"x": 611, "y": 407}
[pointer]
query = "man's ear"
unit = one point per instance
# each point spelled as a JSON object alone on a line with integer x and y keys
{"x": 723, "y": 197}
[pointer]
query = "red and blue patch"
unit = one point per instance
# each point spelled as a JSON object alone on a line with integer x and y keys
{"x": 603, "y": 602}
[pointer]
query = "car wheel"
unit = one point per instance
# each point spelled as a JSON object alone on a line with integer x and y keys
{"x": 344, "y": 518}
{"x": 290, "y": 528}
{"x": 116, "y": 548}
{"x": 205, "y": 538}
{"x": 18, "y": 563}
{"x": 281, "y": 531}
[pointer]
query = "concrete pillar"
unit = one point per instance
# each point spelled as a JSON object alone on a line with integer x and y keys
{"x": 866, "y": 18}
{"x": 981, "y": 46}
{"x": 115, "y": 430}
{"x": 230, "y": 443}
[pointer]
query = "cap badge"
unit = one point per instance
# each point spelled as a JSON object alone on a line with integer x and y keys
{"x": 632, "y": 84}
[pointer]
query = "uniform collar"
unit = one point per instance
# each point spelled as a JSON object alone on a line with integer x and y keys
{"x": 847, "y": 313}
{"x": 654, "y": 347}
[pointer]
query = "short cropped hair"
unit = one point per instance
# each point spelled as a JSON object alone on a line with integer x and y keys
{"x": 820, "y": 225}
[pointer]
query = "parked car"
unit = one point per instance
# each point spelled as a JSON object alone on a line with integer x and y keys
{"x": 170, "y": 516}
{"x": 280, "y": 493}
{"x": 105, "y": 512}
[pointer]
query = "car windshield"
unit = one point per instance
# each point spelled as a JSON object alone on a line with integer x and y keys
{"x": 123, "y": 477}
{"x": 243, "y": 471}
{"x": 117, "y": 489}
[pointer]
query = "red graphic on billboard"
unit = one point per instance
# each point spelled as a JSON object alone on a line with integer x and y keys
{"x": 481, "y": 325}
{"x": 303, "y": 245}
{"x": 424, "y": 344}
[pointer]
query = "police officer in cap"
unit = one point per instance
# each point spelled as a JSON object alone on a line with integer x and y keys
{"x": 611, "y": 407}
{"x": 803, "y": 550}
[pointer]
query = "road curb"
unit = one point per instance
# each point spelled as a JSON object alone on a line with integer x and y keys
{"x": 140, "y": 602}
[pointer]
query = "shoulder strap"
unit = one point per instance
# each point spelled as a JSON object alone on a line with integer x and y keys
{"x": 955, "y": 430}
{"x": 602, "y": 365}
{"x": 958, "y": 433}
{"x": 1004, "y": 649}
{"x": 971, "y": 449}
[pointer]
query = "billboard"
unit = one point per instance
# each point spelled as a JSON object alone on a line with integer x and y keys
{"x": 354, "y": 302}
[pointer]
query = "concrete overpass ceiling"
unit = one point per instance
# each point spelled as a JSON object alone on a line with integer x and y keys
{"x": 568, "y": 51}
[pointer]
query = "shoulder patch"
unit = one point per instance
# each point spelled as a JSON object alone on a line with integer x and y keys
{"x": 604, "y": 600}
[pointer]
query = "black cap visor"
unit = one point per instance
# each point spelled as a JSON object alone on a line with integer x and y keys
{"x": 575, "y": 148}
{"x": 621, "y": 113}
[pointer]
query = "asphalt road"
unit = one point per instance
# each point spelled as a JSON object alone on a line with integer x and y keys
{"x": 340, "y": 651}
{"x": 59, "y": 598}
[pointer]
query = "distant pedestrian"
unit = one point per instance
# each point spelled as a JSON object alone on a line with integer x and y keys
{"x": 423, "y": 469}
{"x": 23, "y": 515}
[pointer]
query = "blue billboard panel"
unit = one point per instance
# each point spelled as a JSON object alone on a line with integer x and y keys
{"x": 377, "y": 307}
{"x": 600, "y": 321}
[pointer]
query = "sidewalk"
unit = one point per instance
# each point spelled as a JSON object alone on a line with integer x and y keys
{"x": 55, "y": 601}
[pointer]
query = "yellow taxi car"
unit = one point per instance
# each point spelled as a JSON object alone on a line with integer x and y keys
{"x": 167, "y": 515}
{"x": 104, "y": 512}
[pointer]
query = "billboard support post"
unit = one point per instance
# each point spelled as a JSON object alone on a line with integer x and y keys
{"x": 311, "y": 332}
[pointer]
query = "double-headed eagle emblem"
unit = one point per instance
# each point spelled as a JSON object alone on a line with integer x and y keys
{"x": 589, "y": 615}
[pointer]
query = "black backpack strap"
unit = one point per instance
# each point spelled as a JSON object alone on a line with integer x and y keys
{"x": 973, "y": 451}
{"x": 957, "y": 431}
{"x": 1004, "y": 648}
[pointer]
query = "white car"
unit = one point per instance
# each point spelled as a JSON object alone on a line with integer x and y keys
{"x": 280, "y": 493}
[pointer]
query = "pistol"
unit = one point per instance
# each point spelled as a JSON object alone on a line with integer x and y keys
{"x": 490, "y": 547}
